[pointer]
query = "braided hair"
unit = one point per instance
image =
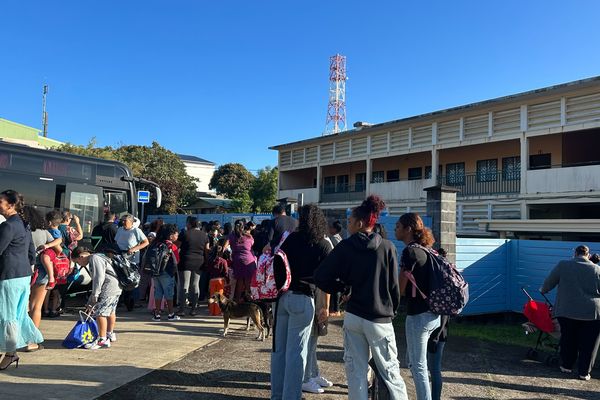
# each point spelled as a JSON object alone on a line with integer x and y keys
{"x": 368, "y": 212}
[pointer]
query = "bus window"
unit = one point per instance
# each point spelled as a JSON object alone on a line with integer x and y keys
{"x": 86, "y": 202}
{"x": 117, "y": 202}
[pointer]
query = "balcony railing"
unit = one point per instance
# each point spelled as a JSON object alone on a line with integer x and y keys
{"x": 342, "y": 193}
{"x": 484, "y": 183}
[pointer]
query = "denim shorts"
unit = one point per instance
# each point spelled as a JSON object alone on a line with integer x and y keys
{"x": 42, "y": 278}
{"x": 164, "y": 286}
{"x": 106, "y": 306}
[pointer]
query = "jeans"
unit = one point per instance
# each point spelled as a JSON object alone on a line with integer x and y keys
{"x": 434, "y": 362}
{"x": 312, "y": 369}
{"x": 188, "y": 282}
{"x": 164, "y": 286}
{"x": 360, "y": 336}
{"x": 293, "y": 323}
{"x": 418, "y": 330}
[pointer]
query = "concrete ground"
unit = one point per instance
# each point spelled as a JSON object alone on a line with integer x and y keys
{"x": 187, "y": 360}
{"x": 142, "y": 346}
{"x": 238, "y": 368}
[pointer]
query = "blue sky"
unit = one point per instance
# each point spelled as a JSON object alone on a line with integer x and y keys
{"x": 224, "y": 80}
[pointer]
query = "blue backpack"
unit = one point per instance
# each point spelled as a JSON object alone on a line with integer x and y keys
{"x": 448, "y": 290}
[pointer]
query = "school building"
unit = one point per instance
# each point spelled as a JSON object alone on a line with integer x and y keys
{"x": 526, "y": 165}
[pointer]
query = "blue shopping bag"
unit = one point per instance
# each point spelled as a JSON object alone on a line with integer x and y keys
{"x": 85, "y": 331}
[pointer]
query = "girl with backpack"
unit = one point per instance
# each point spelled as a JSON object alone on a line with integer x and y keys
{"x": 420, "y": 321}
{"x": 295, "y": 309}
{"x": 368, "y": 264}
{"x": 163, "y": 280}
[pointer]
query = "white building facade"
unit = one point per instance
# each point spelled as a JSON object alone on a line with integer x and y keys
{"x": 200, "y": 169}
{"x": 526, "y": 165}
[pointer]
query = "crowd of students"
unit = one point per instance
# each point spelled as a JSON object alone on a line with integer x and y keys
{"x": 361, "y": 271}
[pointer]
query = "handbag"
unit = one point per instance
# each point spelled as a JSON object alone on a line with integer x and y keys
{"x": 84, "y": 332}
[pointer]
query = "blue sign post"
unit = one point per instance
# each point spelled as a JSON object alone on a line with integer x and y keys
{"x": 143, "y": 198}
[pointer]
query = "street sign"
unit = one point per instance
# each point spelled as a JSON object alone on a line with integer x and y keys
{"x": 143, "y": 196}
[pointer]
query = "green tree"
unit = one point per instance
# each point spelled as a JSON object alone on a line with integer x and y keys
{"x": 232, "y": 180}
{"x": 242, "y": 203}
{"x": 154, "y": 163}
{"x": 264, "y": 190}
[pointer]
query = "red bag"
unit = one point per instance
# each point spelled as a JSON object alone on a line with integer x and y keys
{"x": 539, "y": 314}
{"x": 61, "y": 264}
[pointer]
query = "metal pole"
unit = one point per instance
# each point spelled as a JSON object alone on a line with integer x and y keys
{"x": 142, "y": 217}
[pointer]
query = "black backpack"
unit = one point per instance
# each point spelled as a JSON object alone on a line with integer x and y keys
{"x": 378, "y": 390}
{"x": 157, "y": 258}
{"x": 126, "y": 272}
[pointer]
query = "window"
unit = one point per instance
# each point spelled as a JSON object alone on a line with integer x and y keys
{"x": 378, "y": 177}
{"x": 428, "y": 171}
{"x": 487, "y": 170}
{"x": 511, "y": 168}
{"x": 540, "y": 161}
{"x": 455, "y": 174}
{"x": 329, "y": 184}
{"x": 360, "y": 181}
{"x": 87, "y": 207}
{"x": 342, "y": 183}
{"x": 416, "y": 173}
{"x": 393, "y": 175}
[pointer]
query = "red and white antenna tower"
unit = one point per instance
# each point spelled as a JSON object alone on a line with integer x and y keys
{"x": 336, "y": 109}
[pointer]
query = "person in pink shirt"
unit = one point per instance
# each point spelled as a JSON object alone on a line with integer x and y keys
{"x": 244, "y": 261}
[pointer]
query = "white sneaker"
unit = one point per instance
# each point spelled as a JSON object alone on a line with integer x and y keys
{"x": 100, "y": 343}
{"x": 585, "y": 378}
{"x": 111, "y": 336}
{"x": 323, "y": 382}
{"x": 312, "y": 387}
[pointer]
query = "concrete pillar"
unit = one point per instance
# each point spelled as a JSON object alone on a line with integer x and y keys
{"x": 435, "y": 160}
{"x": 524, "y": 162}
{"x": 319, "y": 183}
{"x": 441, "y": 207}
{"x": 368, "y": 178}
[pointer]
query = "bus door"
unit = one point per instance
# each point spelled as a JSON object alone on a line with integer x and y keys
{"x": 87, "y": 202}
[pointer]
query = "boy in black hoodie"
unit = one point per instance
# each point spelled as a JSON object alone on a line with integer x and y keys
{"x": 369, "y": 265}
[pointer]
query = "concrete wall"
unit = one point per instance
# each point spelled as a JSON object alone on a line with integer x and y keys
{"x": 547, "y": 144}
{"x": 350, "y": 169}
{"x": 403, "y": 163}
{"x": 471, "y": 154}
{"x": 298, "y": 179}
{"x": 203, "y": 172}
{"x": 562, "y": 180}
{"x": 310, "y": 195}
{"x": 402, "y": 190}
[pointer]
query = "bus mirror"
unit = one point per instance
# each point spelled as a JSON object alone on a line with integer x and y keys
{"x": 158, "y": 197}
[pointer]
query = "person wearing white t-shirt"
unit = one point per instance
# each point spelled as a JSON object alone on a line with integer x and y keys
{"x": 130, "y": 239}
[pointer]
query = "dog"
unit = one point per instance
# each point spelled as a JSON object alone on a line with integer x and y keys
{"x": 231, "y": 309}
{"x": 266, "y": 308}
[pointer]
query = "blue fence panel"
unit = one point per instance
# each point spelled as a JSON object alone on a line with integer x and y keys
{"x": 533, "y": 261}
{"x": 483, "y": 264}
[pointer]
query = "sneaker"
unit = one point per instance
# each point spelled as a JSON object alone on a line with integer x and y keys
{"x": 193, "y": 312}
{"x": 181, "y": 312}
{"x": 156, "y": 318}
{"x": 585, "y": 378}
{"x": 565, "y": 370}
{"x": 312, "y": 387}
{"x": 100, "y": 343}
{"x": 173, "y": 317}
{"x": 323, "y": 382}
{"x": 111, "y": 336}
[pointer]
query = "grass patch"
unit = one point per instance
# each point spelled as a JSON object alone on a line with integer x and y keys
{"x": 492, "y": 329}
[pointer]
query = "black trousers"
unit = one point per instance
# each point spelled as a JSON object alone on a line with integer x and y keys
{"x": 579, "y": 339}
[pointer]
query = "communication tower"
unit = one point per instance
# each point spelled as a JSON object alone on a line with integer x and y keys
{"x": 44, "y": 113}
{"x": 336, "y": 109}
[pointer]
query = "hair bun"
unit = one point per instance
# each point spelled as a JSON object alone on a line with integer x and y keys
{"x": 374, "y": 204}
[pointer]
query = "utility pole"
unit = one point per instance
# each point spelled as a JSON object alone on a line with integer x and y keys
{"x": 44, "y": 113}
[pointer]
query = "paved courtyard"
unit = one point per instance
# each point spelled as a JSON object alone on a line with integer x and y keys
{"x": 188, "y": 360}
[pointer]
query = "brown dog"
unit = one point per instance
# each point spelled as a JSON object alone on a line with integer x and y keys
{"x": 231, "y": 309}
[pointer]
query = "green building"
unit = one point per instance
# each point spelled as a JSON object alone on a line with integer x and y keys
{"x": 17, "y": 133}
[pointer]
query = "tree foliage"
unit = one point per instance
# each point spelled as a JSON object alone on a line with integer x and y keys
{"x": 232, "y": 180}
{"x": 264, "y": 190}
{"x": 154, "y": 163}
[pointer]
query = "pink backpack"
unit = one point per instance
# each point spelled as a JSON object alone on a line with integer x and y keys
{"x": 263, "y": 286}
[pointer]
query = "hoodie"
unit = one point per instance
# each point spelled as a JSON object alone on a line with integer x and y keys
{"x": 369, "y": 265}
